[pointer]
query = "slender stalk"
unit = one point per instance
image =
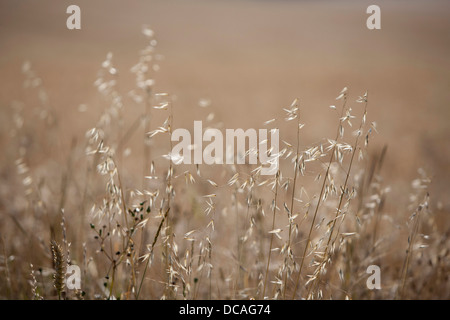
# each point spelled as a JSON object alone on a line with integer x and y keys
{"x": 237, "y": 283}
{"x": 318, "y": 203}
{"x": 341, "y": 199}
{"x": 378, "y": 211}
{"x": 165, "y": 218}
{"x": 292, "y": 202}
{"x": 151, "y": 251}
{"x": 409, "y": 252}
{"x": 147, "y": 118}
{"x": 272, "y": 235}
{"x": 113, "y": 278}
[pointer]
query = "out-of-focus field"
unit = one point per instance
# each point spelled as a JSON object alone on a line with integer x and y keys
{"x": 251, "y": 59}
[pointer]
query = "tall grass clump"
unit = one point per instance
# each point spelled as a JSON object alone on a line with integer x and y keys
{"x": 140, "y": 224}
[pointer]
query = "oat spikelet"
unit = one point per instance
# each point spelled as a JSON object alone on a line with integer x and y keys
{"x": 34, "y": 285}
{"x": 59, "y": 264}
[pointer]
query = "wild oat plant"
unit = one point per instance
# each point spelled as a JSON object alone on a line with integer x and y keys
{"x": 175, "y": 231}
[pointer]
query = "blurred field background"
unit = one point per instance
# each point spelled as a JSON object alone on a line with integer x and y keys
{"x": 250, "y": 59}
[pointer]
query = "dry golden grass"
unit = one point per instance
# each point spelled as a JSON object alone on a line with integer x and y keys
{"x": 200, "y": 232}
{"x": 141, "y": 227}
